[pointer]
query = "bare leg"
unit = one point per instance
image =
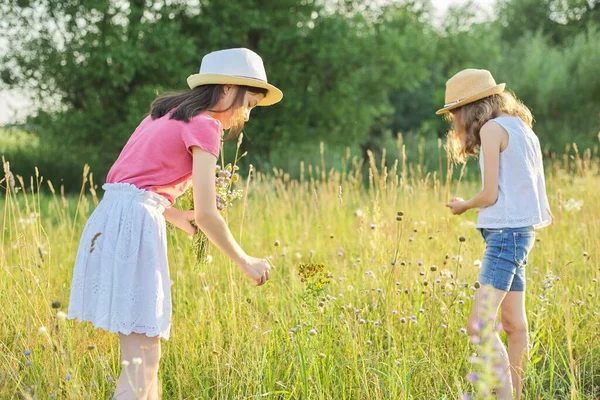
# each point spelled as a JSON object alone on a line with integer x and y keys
{"x": 514, "y": 322}
{"x": 487, "y": 301}
{"x": 154, "y": 393}
{"x": 136, "y": 381}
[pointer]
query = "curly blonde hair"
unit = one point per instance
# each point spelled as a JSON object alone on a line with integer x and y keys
{"x": 463, "y": 138}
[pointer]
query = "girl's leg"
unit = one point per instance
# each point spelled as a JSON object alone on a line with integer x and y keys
{"x": 136, "y": 381}
{"x": 154, "y": 390}
{"x": 485, "y": 307}
{"x": 514, "y": 322}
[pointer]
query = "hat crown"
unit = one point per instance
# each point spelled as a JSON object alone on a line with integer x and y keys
{"x": 234, "y": 62}
{"x": 467, "y": 83}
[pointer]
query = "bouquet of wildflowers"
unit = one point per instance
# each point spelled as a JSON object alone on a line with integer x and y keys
{"x": 225, "y": 177}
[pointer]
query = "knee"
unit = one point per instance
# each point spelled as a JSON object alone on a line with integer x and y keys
{"x": 515, "y": 327}
{"x": 151, "y": 359}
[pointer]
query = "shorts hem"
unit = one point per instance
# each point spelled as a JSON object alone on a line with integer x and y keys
{"x": 504, "y": 286}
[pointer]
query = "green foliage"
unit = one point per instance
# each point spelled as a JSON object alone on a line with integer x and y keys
{"x": 354, "y": 73}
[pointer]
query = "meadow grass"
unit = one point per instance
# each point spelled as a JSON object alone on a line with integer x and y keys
{"x": 378, "y": 313}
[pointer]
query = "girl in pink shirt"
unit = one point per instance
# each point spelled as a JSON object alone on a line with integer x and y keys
{"x": 121, "y": 277}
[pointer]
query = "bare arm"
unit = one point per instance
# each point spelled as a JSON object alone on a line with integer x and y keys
{"x": 492, "y": 138}
{"x": 209, "y": 219}
{"x": 207, "y": 216}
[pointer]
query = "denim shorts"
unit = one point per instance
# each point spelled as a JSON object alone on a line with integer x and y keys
{"x": 505, "y": 257}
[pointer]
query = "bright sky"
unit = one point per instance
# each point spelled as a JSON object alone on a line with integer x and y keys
{"x": 15, "y": 105}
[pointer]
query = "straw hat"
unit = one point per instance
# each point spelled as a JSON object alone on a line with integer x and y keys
{"x": 467, "y": 86}
{"x": 235, "y": 67}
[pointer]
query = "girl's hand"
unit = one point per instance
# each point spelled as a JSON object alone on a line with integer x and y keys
{"x": 181, "y": 219}
{"x": 458, "y": 206}
{"x": 257, "y": 269}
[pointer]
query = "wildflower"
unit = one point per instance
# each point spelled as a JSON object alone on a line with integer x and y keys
{"x": 477, "y": 263}
{"x": 42, "y": 329}
{"x": 68, "y": 377}
{"x": 461, "y": 239}
{"x": 312, "y": 332}
{"x": 573, "y": 205}
{"x": 400, "y": 213}
{"x": 91, "y": 347}
{"x": 473, "y": 377}
{"x": 28, "y": 363}
{"x": 277, "y": 243}
{"x": 369, "y": 342}
{"x": 137, "y": 361}
{"x": 361, "y": 321}
{"x": 322, "y": 355}
{"x": 463, "y": 331}
{"x": 403, "y": 320}
{"x": 433, "y": 268}
{"x": 477, "y": 285}
{"x": 27, "y": 353}
{"x": 373, "y": 226}
{"x": 61, "y": 315}
{"x": 125, "y": 363}
{"x": 444, "y": 326}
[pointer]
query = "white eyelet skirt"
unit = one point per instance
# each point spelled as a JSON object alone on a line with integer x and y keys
{"x": 121, "y": 278}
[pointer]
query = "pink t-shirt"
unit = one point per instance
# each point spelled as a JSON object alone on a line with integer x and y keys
{"x": 158, "y": 156}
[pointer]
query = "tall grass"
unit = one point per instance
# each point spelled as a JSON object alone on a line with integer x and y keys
{"x": 382, "y": 316}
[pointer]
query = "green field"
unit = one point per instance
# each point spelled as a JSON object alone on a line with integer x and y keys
{"x": 345, "y": 333}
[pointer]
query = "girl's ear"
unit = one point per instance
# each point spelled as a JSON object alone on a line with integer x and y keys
{"x": 226, "y": 89}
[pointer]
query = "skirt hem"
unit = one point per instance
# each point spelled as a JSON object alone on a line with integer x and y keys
{"x": 120, "y": 330}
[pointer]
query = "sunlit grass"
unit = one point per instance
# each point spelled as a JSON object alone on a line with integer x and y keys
{"x": 378, "y": 312}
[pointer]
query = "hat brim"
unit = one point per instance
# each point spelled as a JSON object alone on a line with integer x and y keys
{"x": 478, "y": 96}
{"x": 274, "y": 95}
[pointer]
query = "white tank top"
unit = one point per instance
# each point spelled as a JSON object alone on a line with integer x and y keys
{"x": 522, "y": 199}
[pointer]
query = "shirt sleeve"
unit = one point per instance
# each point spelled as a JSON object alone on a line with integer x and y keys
{"x": 204, "y": 132}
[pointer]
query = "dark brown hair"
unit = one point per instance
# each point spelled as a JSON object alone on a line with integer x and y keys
{"x": 463, "y": 139}
{"x": 183, "y": 106}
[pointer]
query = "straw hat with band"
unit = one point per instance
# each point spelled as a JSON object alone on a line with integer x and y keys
{"x": 468, "y": 86}
{"x": 235, "y": 67}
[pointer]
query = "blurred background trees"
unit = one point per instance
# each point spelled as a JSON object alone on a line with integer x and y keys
{"x": 354, "y": 73}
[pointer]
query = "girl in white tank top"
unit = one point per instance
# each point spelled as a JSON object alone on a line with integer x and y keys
{"x": 492, "y": 123}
